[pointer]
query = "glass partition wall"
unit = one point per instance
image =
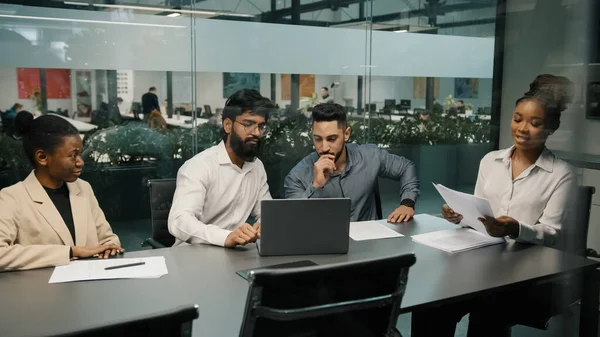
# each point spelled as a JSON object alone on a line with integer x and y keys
{"x": 416, "y": 83}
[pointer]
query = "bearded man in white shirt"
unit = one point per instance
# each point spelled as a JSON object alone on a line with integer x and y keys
{"x": 219, "y": 188}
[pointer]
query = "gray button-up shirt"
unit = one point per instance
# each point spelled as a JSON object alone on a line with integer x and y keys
{"x": 365, "y": 164}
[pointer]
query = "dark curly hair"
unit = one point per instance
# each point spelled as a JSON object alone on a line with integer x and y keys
{"x": 553, "y": 93}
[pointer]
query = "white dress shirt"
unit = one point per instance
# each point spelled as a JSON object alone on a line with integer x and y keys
{"x": 541, "y": 198}
{"x": 214, "y": 196}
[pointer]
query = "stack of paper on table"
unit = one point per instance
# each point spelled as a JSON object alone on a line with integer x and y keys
{"x": 461, "y": 239}
{"x": 371, "y": 230}
{"x": 153, "y": 267}
{"x": 456, "y": 240}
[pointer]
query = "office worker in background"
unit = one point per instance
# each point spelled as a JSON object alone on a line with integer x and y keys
{"x": 325, "y": 97}
{"x": 460, "y": 107}
{"x": 219, "y": 188}
{"x": 532, "y": 195}
{"x": 12, "y": 112}
{"x": 52, "y": 216}
{"x": 340, "y": 170}
{"x": 149, "y": 103}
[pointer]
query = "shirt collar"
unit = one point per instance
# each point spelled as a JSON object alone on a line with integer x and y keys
{"x": 350, "y": 156}
{"x": 545, "y": 161}
{"x": 225, "y": 160}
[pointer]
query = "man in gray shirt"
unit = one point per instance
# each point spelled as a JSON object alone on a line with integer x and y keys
{"x": 340, "y": 170}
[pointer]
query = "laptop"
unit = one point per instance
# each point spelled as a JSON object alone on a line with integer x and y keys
{"x": 304, "y": 226}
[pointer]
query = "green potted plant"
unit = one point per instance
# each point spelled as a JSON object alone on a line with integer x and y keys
{"x": 119, "y": 162}
{"x": 287, "y": 142}
{"x": 14, "y": 165}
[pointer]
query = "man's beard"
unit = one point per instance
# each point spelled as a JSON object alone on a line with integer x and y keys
{"x": 243, "y": 149}
{"x": 337, "y": 155}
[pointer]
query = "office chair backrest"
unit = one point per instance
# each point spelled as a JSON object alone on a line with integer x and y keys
{"x": 577, "y": 233}
{"x": 177, "y": 322}
{"x": 208, "y": 110}
{"x": 360, "y": 298}
{"x": 8, "y": 125}
{"x": 161, "y": 199}
{"x": 378, "y": 199}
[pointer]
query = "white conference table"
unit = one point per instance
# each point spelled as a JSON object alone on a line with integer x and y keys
{"x": 81, "y": 126}
{"x": 181, "y": 121}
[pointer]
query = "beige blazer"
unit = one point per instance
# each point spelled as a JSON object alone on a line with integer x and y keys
{"x": 33, "y": 233}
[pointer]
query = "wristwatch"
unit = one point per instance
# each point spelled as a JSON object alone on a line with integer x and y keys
{"x": 408, "y": 203}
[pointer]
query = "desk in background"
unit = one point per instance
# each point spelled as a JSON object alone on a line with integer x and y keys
{"x": 81, "y": 126}
{"x": 206, "y": 275}
{"x": 180, "y": 122}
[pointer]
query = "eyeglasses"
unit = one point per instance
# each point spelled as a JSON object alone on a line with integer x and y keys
{"x": 250, "y": 127}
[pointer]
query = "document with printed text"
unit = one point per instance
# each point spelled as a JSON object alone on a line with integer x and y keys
{"x": 152, "y": 267}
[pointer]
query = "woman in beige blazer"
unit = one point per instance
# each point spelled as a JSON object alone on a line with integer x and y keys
{"x": 52, "y": 216}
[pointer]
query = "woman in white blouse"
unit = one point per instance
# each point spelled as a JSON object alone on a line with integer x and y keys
{"x": 530, "y": 190}
{"x": 532, "y": 195}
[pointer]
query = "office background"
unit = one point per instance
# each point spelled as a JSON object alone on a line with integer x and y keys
{"x": 385, "y": 60}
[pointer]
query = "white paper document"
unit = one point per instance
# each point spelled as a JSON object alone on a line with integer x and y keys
{"x": 469, "y": 206}
{"x": 153, "y": 267}
{"x": 371, "y": 230}
{"x": 456, "y": 240}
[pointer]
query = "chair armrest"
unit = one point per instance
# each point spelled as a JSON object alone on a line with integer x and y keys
{"x": 152, "y": 243}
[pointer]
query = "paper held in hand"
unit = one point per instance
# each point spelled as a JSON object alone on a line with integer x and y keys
{"x": 461, "y": 239}
{"x": 468, "y": 205}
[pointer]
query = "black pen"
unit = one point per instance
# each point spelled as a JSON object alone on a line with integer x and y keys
{"x": 125, "y": 265}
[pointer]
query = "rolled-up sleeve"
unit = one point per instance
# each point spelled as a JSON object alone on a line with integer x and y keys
{"x": 559, "y": 209}
{"x": 187, "y": 208}
{"x": 400, "y": 169}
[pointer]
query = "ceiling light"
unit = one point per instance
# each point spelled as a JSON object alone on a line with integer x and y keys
{"x": 401, "y": 31}
{"x": 75, "y": 3}
{"x": 174, "y": 15}
{"x": 88, "y": 21}
{"x": 162, "y": 9}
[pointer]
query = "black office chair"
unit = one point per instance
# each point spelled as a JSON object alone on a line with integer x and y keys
{"x": 8, "y": 125}
{"x": 207, "y": 110}
{"x": 181, "y": 111}
{"x": 161, "y": 199}
{"x": 177, "y": 322}
{"x": 360, "y": 298}
{"x": 136, "y": 110}
{"x": 378, "y": 200}
{"x": 575, "y": 242}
